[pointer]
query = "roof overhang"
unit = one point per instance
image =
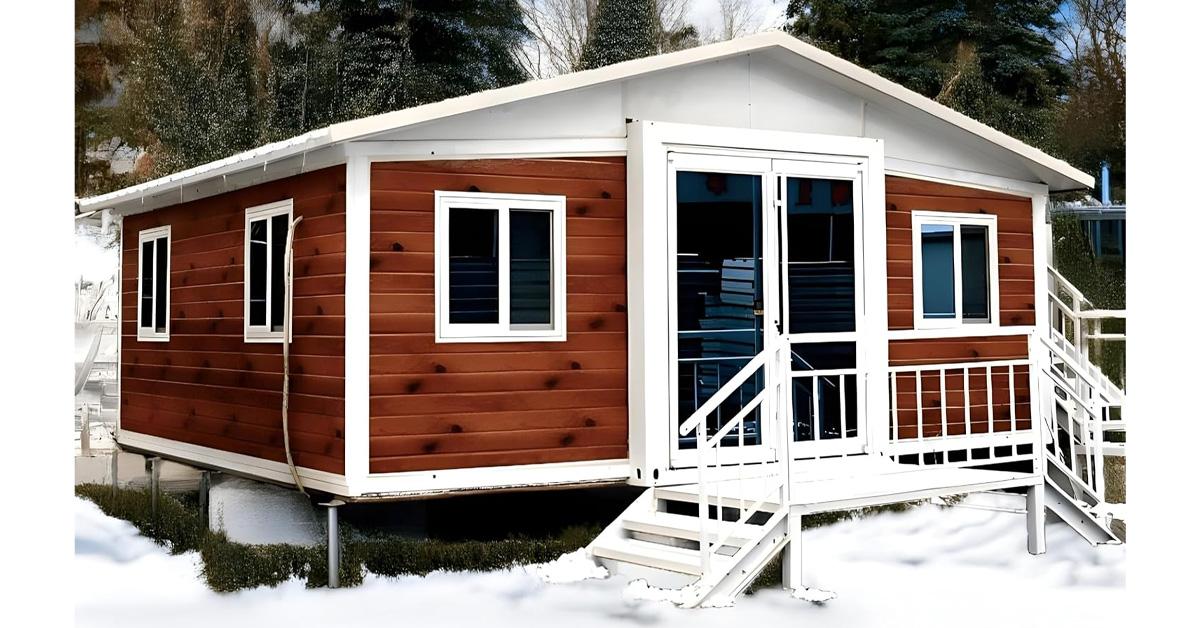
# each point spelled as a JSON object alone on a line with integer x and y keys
{"x": 195, "y": 182}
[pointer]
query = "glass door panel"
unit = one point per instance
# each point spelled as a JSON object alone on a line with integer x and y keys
{"x": 719, "y": 296}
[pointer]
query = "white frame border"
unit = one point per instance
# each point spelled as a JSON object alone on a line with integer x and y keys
{"x": 149, "y": 235}
{"x": 261, "y": 333}
{"x": 956, "y": 220}
{"x": 502, "y": 331}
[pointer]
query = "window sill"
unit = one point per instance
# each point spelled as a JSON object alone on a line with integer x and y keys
{"x": 165, "y": 338}
{"x": 439, "y": 339}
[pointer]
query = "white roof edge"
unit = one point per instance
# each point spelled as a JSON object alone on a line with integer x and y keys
{"x": 384, "y": 122}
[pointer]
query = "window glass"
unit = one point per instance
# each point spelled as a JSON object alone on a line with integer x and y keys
{"x": 146, "y": 311}
{"x": 937, "y": 271}
{"x": 160, "y": 286}
{"x": 258, "y": 272}
{"x": 279, "y": 229}
{"x": 719, "y": 298}
{"x": 820, "y": 264}
{"x": 975, "y": 275}
{"x": 530, "y": 280}
{"x": 474, "y": 266}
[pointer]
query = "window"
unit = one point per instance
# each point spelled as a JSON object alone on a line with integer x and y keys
{"x": 955, "y": 270}
{"x": 154, "y": 286}
{"x": 501, "y": 267}
{"x": 266, "y": 238}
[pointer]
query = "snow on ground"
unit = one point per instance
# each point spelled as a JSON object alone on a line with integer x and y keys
{"x": 928, "y": 566}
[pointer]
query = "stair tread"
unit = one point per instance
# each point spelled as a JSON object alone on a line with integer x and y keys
{"x": 686, "y": 527}
{"x": 649, "y": 554}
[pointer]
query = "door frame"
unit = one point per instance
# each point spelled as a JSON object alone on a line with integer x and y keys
{"x": 722, "y": 164}
{"x": 648, "y": 303}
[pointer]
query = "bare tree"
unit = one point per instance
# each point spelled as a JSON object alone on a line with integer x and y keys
{"x": 738, "y": 18}
{"x": 560, "y": 30}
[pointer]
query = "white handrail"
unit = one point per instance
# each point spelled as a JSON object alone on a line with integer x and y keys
{"x": 723, "y": 392}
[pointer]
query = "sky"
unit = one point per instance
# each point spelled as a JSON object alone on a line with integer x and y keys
{"x": 706, "y": 14}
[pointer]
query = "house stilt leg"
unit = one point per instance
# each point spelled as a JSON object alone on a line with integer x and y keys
{"x": 793, "y": 556}
{"x": 1035, "y": 518}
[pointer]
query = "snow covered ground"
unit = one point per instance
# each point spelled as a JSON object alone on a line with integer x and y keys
{"x": 927, "y": 566}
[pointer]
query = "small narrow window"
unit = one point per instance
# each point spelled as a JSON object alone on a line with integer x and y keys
{"x": 954, "y": 269}
{"x": 501, "y": 272}
{"x": 154, "y": 286}
{"x": 266, "y": 241}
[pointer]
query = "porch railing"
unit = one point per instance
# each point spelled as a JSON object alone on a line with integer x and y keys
{"x": 1077, "y": 332}
{"x": 961, "y": 414}
{"x": 768, "y": 401}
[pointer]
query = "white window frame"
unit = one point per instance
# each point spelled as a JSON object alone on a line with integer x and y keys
{"x": 261, "y": 333}
{"x": 957, "y": 221}
{"x": 501, "y": 331}
{"x": 147, "y": 334}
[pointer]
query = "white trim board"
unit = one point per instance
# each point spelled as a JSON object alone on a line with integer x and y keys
{"x": 550, "y": 474}
{"x": 301, "y": 146}
{"x": 233, "y": 462}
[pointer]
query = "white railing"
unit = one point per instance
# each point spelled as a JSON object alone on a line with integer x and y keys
{"x": 1075, "y": 421}
{"x": 773, "y": 477}
{"x": 1075, "y": 325}
{"x": 977, "y": 413}
{"x": 1076, "y": 330}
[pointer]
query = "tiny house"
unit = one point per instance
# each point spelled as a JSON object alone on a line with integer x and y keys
{"x": 753, "y": 278}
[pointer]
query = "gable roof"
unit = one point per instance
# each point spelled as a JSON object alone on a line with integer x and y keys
{"x": 363, "y": 128}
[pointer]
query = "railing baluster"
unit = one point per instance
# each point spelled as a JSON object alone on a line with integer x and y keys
{"x": 842, "y": 402}
{"x": 920, "y": 412}
{"x": 1012, "y": 398}
{"x": 895, "y": 377}
{"x": 816, "y": 407}
{"x": 967, "y": 398}
{"x": 942, "y": 399}
{"x": 991, "y": 409}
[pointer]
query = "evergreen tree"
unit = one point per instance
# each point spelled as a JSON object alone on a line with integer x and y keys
{"x": 992, "y": 60}
{"x": 192, "y": 94}
{"x": 621, "y": 30}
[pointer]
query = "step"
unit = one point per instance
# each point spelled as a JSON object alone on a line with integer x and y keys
{"x": 689, "y": 493}
{"x": 651, "y": 555}
{"x": 688, "y": 528}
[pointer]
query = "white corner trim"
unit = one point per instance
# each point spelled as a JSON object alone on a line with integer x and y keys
{"x": 489, "y": 478}
{"x": 148, "y": 334}
{"x": 357, "y": 430}
{"x": 261, "y": 333}
{"x": 234, "y": 462}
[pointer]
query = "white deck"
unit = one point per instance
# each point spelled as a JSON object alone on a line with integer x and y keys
{"x": 855, "y": 482}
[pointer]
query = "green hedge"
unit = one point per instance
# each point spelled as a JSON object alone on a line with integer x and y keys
{"x": 230, "y": 566}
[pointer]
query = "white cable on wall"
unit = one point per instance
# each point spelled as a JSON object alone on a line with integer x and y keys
{"x": 287, "y": 341}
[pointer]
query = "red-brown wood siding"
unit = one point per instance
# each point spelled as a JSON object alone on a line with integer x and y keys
{"x": 438, "y": 406}
{"x": 207, "y": 386}
{"x": 1014, "y": 217}
{"x": 953, "y": 351}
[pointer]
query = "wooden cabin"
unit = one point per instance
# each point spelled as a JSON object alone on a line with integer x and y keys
{"x": 748, "y": 274}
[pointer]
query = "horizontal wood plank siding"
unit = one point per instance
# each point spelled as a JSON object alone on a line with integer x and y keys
{"x": 207, "y": 386}
{"x": 952, "y": 351}
{"x": 1014, "y": 216}
{"x": 438, "y": 406}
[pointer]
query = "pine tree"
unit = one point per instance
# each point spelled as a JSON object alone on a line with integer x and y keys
{"x": 995, "y": 61}
{"x": 621, "y": 30}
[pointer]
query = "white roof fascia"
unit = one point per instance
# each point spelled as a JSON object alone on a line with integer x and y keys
{"x": 385, "y": 122}
{"x": 266, "y": 153}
